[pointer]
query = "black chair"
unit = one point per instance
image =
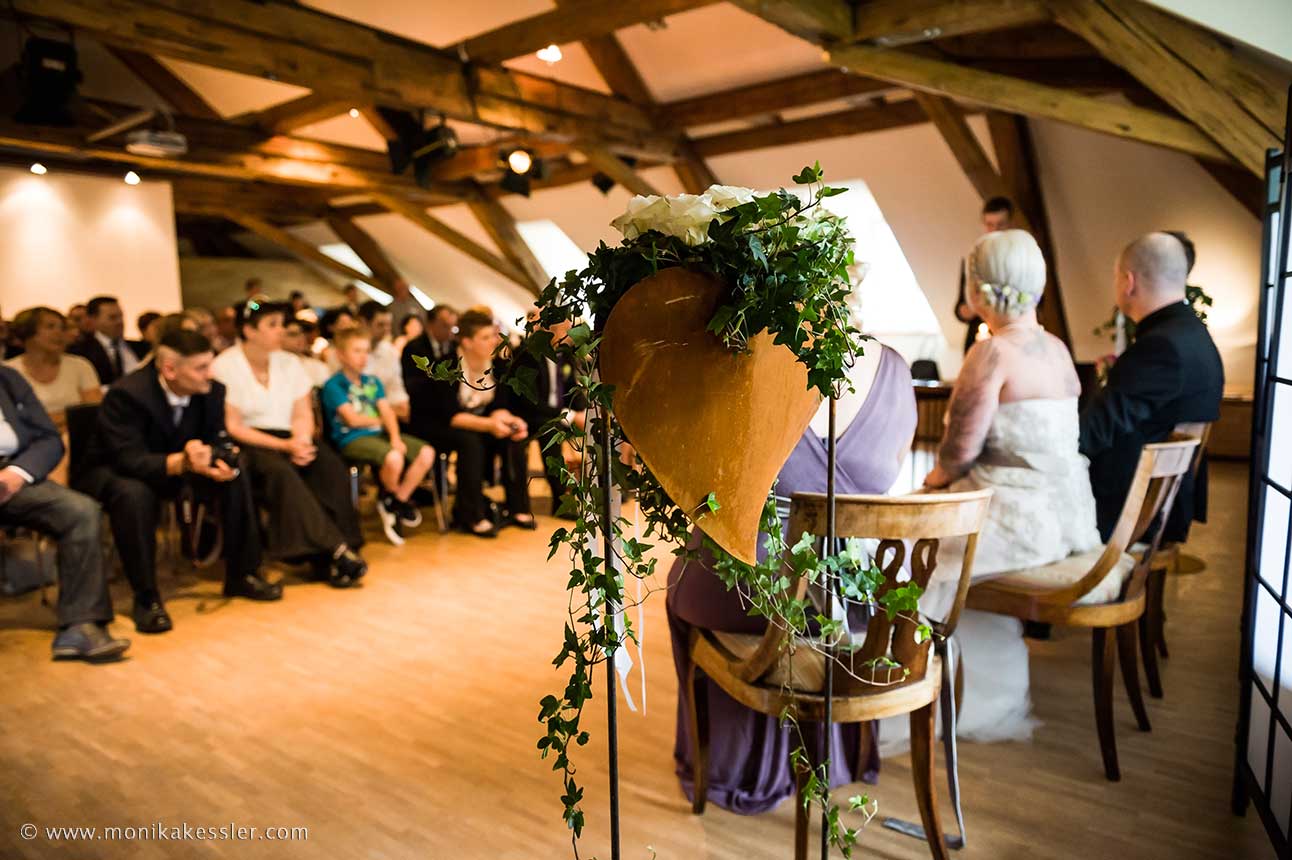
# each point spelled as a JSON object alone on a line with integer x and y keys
{"x": 925, "y": 369}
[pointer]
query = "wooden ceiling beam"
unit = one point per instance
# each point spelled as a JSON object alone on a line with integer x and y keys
{"x": 818, "y": 21}
{"x": 501, "y": 227}
{"x": 1023, "y": 97}
{"x": 461, "y": 242}
{"x": 298, "y": 247}
{"x": 839, "y": 124}
{"x": 613, "y": 166}
{"x": 165, "y": 83}
{"x": 964, "y": 145}
{"x": 572, "y": 21}
{"x": 295, "y": 113}
{"x": 366, "y": 248}
{"x": 886, "y": 23}
{"x": 290, "y": 42}
{"x": 769, "y": 97}
{"x": 1116, "y": 29}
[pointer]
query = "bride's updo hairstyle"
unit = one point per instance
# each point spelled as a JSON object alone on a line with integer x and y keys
{"x": 1007, "y": 271}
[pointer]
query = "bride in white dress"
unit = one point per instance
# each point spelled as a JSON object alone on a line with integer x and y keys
{"x": 1011, "y": 426}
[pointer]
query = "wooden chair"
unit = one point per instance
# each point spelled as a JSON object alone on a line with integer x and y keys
{"x": 1152, "y": 625}
{"x": 772, "y": 675}
{"x": 1103, "y": 589}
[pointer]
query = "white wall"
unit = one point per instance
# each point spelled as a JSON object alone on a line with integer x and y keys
{"x": 65, "y": 238}
{"x": 1102, "y": 192}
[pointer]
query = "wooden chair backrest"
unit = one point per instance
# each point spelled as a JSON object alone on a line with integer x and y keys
{"x": 1161, "y": 468}
{"x": 1200, "y": 430}
{"x": 920, "y": 521}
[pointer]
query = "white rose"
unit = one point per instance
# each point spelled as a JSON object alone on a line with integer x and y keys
{"x": 728, "y": 196}
{"x": 689, "y": 218}
{"x": 643, "y": 214}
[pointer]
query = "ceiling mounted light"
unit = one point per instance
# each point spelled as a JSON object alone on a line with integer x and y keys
{"x": 519, "y": 161}
{"x": 551, "y": 54}
{"x": 354, "y": 113}
{"x": 132, "y": 178}
{"x": 39, "y": 169}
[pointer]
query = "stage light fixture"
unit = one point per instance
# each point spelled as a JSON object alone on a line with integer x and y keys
{"x": 551, "y": 54}
{"x": 39, "y": 169}
{"x": 516, "y": 183}
{"x": 354, "y": 113}
{"x": 602, "y": 182}
{"x": 132, "y": 178}
{"x": 519, "y": 161}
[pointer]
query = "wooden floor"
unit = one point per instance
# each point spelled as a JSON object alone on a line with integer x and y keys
{"x": 398, "y": 721}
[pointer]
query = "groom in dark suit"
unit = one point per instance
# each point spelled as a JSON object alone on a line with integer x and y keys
{"x": 1171, "y": 374}
{"x": 154, "y": 439}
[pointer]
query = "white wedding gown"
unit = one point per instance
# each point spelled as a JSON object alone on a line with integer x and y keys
{"x": 1042, "y": 511}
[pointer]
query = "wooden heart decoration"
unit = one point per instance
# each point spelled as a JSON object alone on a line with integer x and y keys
{"x": 703, "y": 418}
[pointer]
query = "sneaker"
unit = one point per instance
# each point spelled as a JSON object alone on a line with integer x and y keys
{"x": 347, "y": 569}
{"x": 410, "y": 515}
{"x": 387, "y": 508}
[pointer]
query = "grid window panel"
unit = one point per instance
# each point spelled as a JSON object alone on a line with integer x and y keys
{"x": 1285, "y": 335}
{"x": 1258, "y": 737}
{"x": 1265, "y": 638}
{"x": 1281, "y": 779}
{"x": 1280, "y": 464}
{"x": 1274, "y": 537}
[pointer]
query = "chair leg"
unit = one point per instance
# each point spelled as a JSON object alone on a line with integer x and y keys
{"x": 1101, "y": 660}
{"x": 1130, "y": 674}
{"x": 1148, "y": 646}
{"x": 801, "y": 823}
{"x": 698, "y": 717}
{"x": 1158, "y": 597}
{"x": 922, "y": 770}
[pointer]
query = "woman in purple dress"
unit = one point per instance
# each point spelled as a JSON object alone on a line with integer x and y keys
{"x": 749, "y": 753}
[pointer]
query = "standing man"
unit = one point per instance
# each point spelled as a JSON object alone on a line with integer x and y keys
{"x": 997, "y": 214}
{"x": 106, "y": 347}
{"x": 405, "y": 305}
{"x": 161, "y": 433}
{"x": 1171, "y": 374}
{"x": 30, "y": 447}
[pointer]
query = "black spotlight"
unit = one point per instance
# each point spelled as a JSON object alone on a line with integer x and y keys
{"x": 604, "y": 183}
{"x": 416, "y": 145}
{"x": 520, "y": 166}
{"x": 48, "y": 77}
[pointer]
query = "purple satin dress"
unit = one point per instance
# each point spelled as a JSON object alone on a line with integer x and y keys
{"x": 749, "y": 768}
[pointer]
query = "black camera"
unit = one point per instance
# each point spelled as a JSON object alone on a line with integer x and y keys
{"x": 224, "y": 451}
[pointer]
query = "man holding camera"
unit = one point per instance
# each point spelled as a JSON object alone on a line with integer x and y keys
{"x": 160, "y": 433}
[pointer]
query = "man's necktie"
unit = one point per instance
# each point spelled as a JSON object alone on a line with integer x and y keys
{"x": 115, "y": 356}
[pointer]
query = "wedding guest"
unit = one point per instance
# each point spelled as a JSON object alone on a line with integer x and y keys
{"x": 1012, "y": 427}
{"x": 106, "y": 348}
{"x": 297, "y": 303}
{"x": 1170, "y": 374}
{"x": 363, "y": 425}
{"x": 552, "y": 384}
{"x": 749, "y": 753}
{"x": 405, "y": 304}
{"x": 269, "y": 411}
{"x": 147, "y": 333}
{"x": 442, "y": 332}
{"x": 79, "y": 315}
{"x": 384, "y": 359}
{"x": 204, "y": 323}
{"x": 161, "y": 433}
{"x": 30, "y": 447}
{"x": 226, "y": 328}
{"x": 58, "y": 379}
{"x": 351, "y": 303}
{"x": 997, "y": 214}
{"x": 298, "y": 337}
{"x": 475, "y": 419}
{"x": 253, "y": 287}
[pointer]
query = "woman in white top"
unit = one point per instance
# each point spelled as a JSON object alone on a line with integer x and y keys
{"x": 269, "y": 411}
{"x": 59, "y": 380}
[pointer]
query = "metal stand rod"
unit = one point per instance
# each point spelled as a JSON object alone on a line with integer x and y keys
{"x": 828, "y": 723}
{"x": 607, "y": 620}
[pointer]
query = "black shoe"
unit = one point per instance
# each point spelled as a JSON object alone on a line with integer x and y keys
{"x": 528, "y": 525}
{"x": 410, "y": 515}
{"x": 347, "y": 569}
{"x": 1036, "y": 630}
{"x": 151, "y": 617}
{"x": 89, "y": 641}
{"x": 253, "y": 588}
{"x": 491, "y": 532}
{"x": 388, "y": 514}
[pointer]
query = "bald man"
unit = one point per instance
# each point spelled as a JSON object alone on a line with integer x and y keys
{"x": 1171, "y": 374}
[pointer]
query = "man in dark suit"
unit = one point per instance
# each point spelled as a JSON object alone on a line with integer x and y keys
{"x": 30, "y": 446}
{"x": 155, "y": 437}
{"x": 106, "y": 348}
{"x": 997, "y": 214}
{"x": 1171, "y": 374}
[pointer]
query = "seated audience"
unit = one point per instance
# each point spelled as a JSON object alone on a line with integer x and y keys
{"x": 552, "y": 386}
{"x": 364, "y": 427}
{"x": 161, "y": 434}
{"x": 384, "y": 359}
{"x": 333, "y": 321}
{"x": 80, "y": 316}
{"x": 1011, "y": 427}
{"x": 410, "y": 328}
{"x": 30, "y": 446}
{"x": 405, "y": 304}
{"x": 253, "y": 287}
{"x": 1170, "y": 375}
{"x": 476, "y": 420}
{"x": 298, "y": 336}
{"x": 351, "y": 304}
{"x": 226, "y": 328}
{"x": 269, "y": 411}
{"x": 203, "y": 323}
{"x": 147, "y": 333}
{"x": 106, "y": 348}
{"x": 59, "y": 380}
{"x": 297, "y": 303}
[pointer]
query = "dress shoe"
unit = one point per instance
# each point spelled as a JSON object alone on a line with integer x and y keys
{"x": 151, "y": 617}
{"x": 253, "y": 588}
{"x": 347, "y": 569}
{"x": 528, "y": 525}
{"x": 491, "y": 532}
{"x": 89, "y": 641}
